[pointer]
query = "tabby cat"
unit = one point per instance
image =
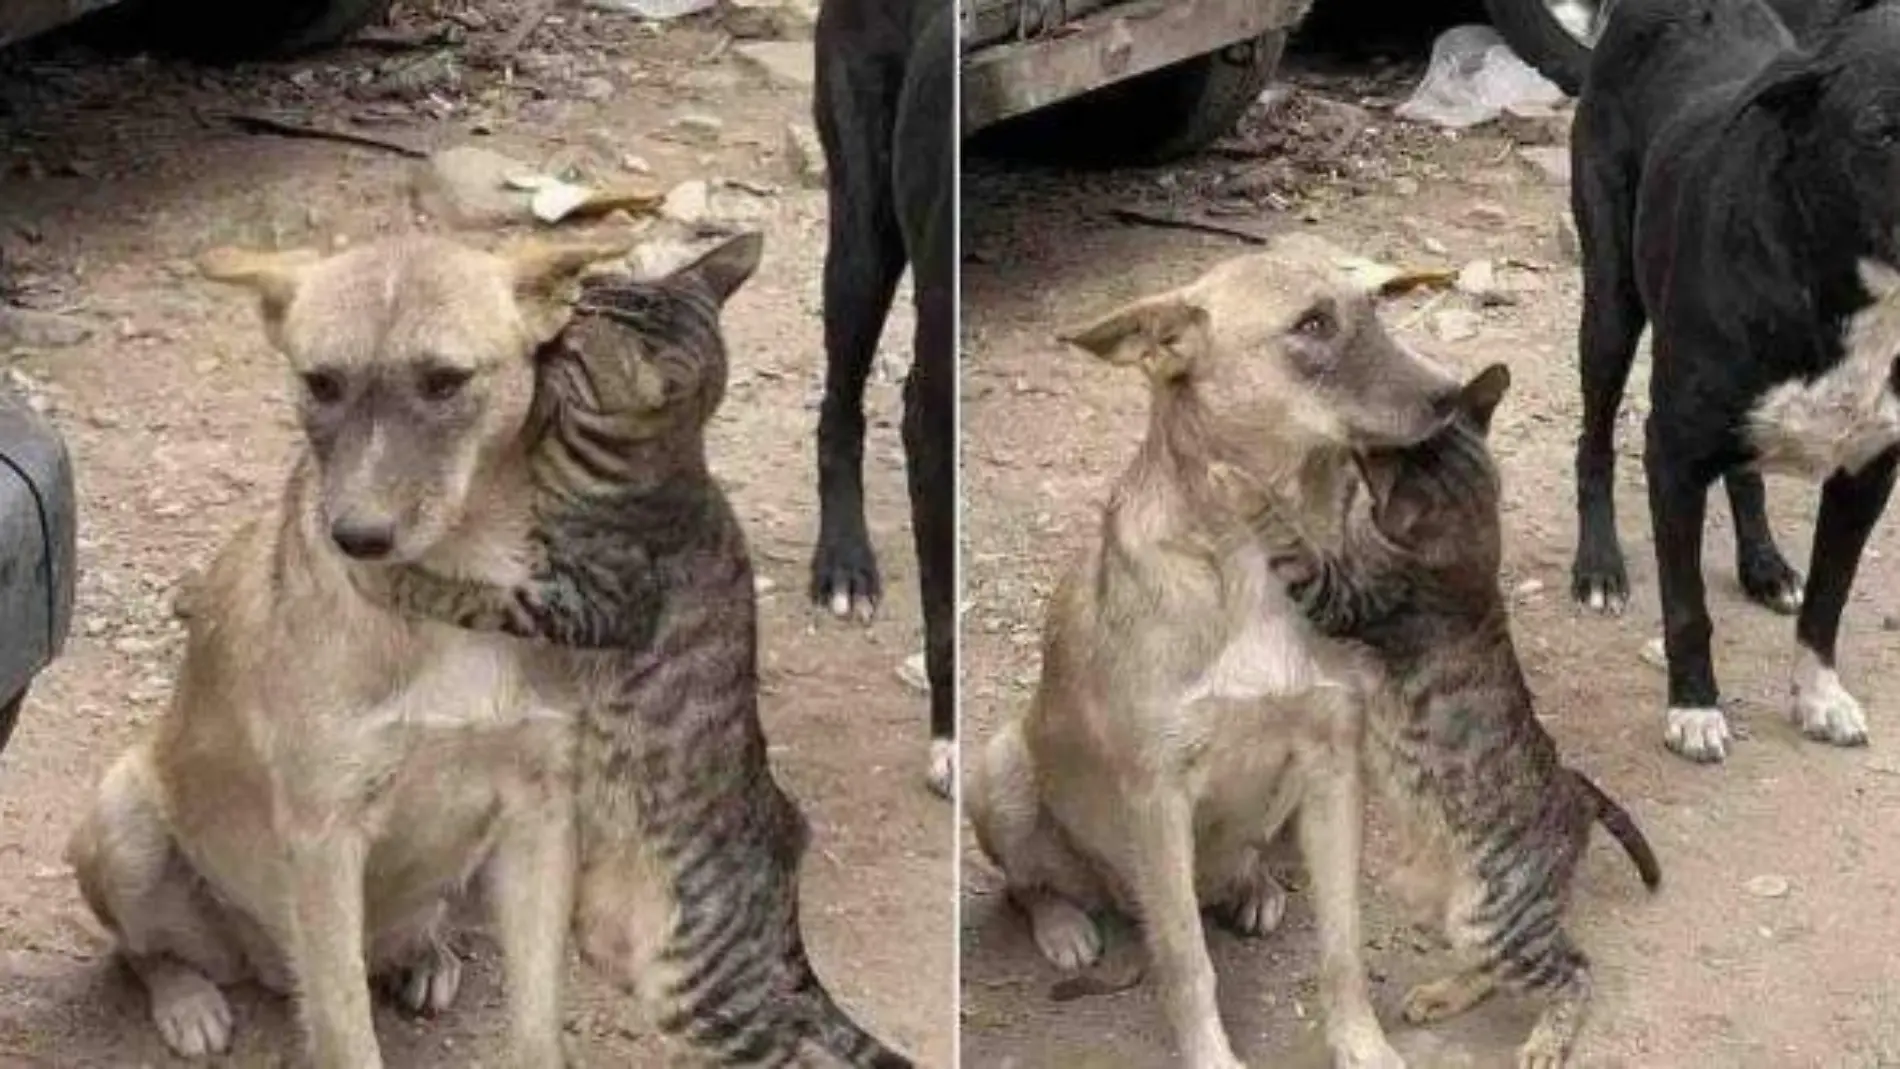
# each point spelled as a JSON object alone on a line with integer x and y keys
{"x": 1494, "y": 820}
{"x": 689, "y": 850}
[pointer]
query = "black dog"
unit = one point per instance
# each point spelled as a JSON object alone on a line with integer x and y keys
{"x": 1730, "y": 186}
{"x": 885, "y": 85}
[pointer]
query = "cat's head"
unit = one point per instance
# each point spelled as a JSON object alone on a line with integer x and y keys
{"x": 1435, "y": 504}
{"x": 646, "y": 357}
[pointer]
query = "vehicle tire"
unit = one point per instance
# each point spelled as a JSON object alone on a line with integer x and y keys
{"x": 1541, "y": 38}
{"x": 10, "y": 715}
{"x": 1150, "y": 118}
{"x": 225, "y": 31}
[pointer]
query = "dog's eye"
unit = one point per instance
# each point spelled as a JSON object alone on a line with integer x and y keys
{"x": 1316, "y": 323}
{"x": 324, "y": 387}
{"x": 442, "y": 383}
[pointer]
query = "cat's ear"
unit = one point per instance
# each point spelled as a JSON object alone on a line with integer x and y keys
{"x": 1479, "y": 398}
{"x": 727, "y": 266}
{"x": 1397, "y": 507}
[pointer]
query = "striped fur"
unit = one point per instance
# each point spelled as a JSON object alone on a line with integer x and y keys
{"x": 690, "y": 851}
{"x": 1452, "y": 735}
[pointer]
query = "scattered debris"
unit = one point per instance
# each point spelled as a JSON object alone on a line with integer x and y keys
{"x": 805, "y": 155}
{"x": 911, "y": 671}
{"x": 25, "y": 328}
{"x": 1097, "y": 983}
{"x": 789, "y": 64}
{"x": 756, "y": 20}
{"x": 1141, "y": 217}
{"x": 468, "y": 186}
{"x": 1768, "y": 886}
{"x": 654, "y": 10}
{"x": 1456, "y": 324}
{"x": 265, "y": 124}
{"x": 1654, "y": 654}
{"x": 700, "y": 129}
{"x": 1550, "y": 161}
{"x": 1479, "y": 281}
{"x": 689, "y": 203}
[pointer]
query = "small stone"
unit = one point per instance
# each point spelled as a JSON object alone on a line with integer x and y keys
{"x": 1480, "y": 280}
{"x": 1456, "y": 324}
{"x": 467, "y": 186}
{"x": 787, "y": 64}
{"x": 1433, "y": 245}
{"x": 1565, "y": 238}
{"x": 805, "y": 155}
{"x": 1655, "y": 654}
{"x": 763, "y": 585}
{"x": 688, "y": 203}
{"x": 1530, "y": 588}
{"x": 1486, "y": 213}
{"x": 1550, "y": 161}
{"x": 1767, "y": 886}
{"x": 26, "y": 328}
{"x": 635, "y": 164}
{"x": 700, "y": 129}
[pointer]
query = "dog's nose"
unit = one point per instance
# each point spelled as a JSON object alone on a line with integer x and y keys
{"x": 364, "y": 541}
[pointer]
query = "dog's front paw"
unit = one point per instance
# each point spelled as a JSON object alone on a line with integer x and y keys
{"x": 1701, "y": 735}
{"x": 192, "y": 1015}
{"x": 1065, "y": 933}
{"x": 428, "y": 987}
{"x": 1600, "y": 581}
{"x": 1822, "y": 708}
{"x": 1770, "y": 581}
{"x": 844, "y": 578}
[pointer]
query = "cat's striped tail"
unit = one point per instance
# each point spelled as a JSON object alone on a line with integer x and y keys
{"x": 841, "y": 1037}
{"x": 1617, "y": 821}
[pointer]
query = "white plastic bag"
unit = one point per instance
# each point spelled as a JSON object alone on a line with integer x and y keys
{"x": 653, "y": 10}
{"x": 1474, "y": 77}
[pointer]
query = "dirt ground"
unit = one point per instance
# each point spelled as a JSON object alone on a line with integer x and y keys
{"x": 1718, "y": 968}
{"x": 117, "y": 170}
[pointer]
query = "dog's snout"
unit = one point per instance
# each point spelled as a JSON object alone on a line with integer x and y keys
{"x": 364, "y": 540}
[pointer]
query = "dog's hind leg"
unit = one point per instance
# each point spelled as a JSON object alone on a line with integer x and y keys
{"x": 855, "y": 101}
{"x": 416, "y": 965}
{"x": 1046, "y": 880}
{"x": 1603, "y": 201}
{"x": 925, "y": 177}
{"x": 1850, "y": 506}
{"x": 1766, "y": 576}
{"x": 132, "y": 876}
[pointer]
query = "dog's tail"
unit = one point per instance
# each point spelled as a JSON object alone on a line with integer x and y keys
{"x": 834, "y": 1032}
{"x": 1617, "y": 821}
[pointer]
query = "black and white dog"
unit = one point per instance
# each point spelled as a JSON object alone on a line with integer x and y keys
{"x": 1742, "y": 192}
{"x": 884, "y": 106}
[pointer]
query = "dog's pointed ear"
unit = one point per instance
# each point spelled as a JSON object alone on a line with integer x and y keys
{"x": 727, "y": 266}
{"x": 1166, "y": 336}
{"x": 1479, "y": 397}
{"x": 547, "y": 279}
{"x": 274, "y": 276}
{"x": 1880, "y": 280}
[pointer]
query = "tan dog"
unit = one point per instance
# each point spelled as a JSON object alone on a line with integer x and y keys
{"x": 328, "y": 771}
{"x": 1185, "y": 711}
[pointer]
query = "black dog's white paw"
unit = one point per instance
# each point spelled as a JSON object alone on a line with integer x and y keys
{"x": 844, "y": 578}
{"x": 1600, "y": 581}
{"x": 1701, "y": 735}
{"x": 1822, "y": 708}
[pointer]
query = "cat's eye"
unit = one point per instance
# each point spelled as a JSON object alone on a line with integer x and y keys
{"x": 443, "y": 383}
{"x": 1317, "y": 323}
{"x": 323, "y": 387}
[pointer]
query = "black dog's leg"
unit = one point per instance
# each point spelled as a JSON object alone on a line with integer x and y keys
{"x": 925, "y": 178}
{"x": 1695, "y": 727}
{"x": 1850, "y": 506}
{"x": 855, "y": 106}
{"x": 1766, "y": 575}
{"x": 1603, "y": 201}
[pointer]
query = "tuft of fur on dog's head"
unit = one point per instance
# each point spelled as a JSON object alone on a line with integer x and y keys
{"x": 413, "y": 363}
{"x": 1276, "y": 352}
